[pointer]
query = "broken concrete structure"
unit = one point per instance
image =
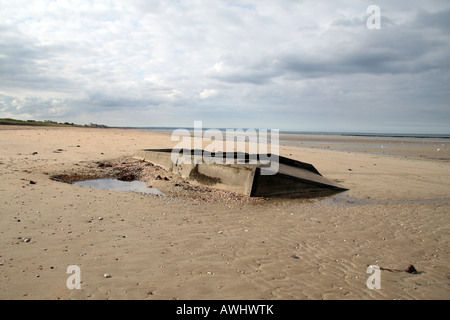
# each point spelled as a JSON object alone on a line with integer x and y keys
{"x": 292, "y": 179}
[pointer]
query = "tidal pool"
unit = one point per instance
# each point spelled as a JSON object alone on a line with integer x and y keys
{"x": 117, "y": 185}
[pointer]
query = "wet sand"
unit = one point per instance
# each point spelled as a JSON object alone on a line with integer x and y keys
{"x": 213, "y": 245}
{"x": 400, "y": 146}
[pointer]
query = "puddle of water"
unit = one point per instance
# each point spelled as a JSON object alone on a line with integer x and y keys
{"x": 117, "y": 185}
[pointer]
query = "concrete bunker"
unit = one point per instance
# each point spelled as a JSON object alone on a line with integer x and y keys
{"x": 292, "y": 179}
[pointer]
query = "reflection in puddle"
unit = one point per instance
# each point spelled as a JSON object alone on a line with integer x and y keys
{"x": 117, "y": 185}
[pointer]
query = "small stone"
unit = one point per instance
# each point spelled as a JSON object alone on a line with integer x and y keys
{"x": 107, "y": 275}
{"x": 100, "y": 218}
{"x": 26, "y": 240}
{"x": 411, "y": 269}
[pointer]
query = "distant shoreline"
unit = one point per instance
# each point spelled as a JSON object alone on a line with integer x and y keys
{"x": 9, "y": 121}
{"x": 321, "y": 133}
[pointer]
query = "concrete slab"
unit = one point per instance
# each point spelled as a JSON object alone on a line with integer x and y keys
{"x": 242, "y": 174}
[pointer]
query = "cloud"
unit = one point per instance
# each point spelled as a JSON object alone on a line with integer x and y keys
{"x": 285, "y": 64}
{"x": 209, "y": 93}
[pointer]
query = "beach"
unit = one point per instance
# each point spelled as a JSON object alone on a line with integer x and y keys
{"x": 213, "y": 245}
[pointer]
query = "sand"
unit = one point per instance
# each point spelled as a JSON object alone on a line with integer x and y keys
{"x": 214, "y": 246}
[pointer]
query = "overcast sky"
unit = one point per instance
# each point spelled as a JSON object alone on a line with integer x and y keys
{"x": 288, "y": 65}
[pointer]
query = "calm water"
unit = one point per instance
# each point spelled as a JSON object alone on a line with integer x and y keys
{"x": 117, "y": 185}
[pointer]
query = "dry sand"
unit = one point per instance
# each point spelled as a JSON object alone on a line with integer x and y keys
{"x": 215, "y": 246}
